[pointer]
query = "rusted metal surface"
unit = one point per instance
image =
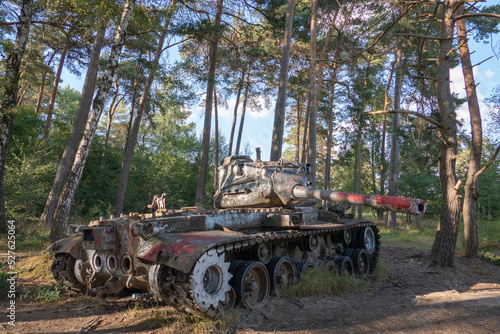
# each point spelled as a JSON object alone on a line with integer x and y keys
{"x": 391, "y": 203}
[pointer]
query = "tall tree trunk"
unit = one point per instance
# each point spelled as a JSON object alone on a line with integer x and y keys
{"x": 297, "y": 141}
{"x": 243, "y": 112}
{"x": 384, "y": 131}
{"x": 443, "y": 249}
{"x": 76, "y": 130}
{"x": 205, "y": 141}
{"x": 305, "y": 136}
{"x": 61, "y": 214}
{"x": 111, "y": 113}
{"x": 135, "y": 88}
{"x": 280, "y": 110}
{"x": 134, "y": 132}
{"x": 329, "y": 139}
{"x": 471, "y": 190}
{"x": 9, "y": 98}
{"x": 55, "y": 85}
{"x": 359, "y": 148}
{"x": 311, "y": 147}
{"x": 216, "y": 158}
{"x": 42, "y": 88}
{"x": 394, "y": 159}
{"x": 235, "y": 115}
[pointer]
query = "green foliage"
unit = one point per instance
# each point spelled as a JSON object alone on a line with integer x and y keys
{"x": 321, "y": 282}
{"x": 490, "y": 257}
{"x": 4, "y": 284}
{"x": 45, "y": 293}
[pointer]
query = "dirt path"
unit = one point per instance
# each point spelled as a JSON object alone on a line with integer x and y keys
{"x": 465, "y": 299}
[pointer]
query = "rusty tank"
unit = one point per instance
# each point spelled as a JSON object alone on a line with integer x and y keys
{"x": 263, "y": 233}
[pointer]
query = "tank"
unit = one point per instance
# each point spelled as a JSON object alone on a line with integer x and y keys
{"x": 264, "y": 232}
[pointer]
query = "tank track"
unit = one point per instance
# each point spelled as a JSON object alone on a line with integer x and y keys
{"x": 63, "y": 271}
{"x": 176, "y": 286}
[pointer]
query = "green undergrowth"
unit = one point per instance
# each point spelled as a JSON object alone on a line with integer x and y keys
{"x": 320, "y": 282}
{"x": 46, "y": 293}
{"x": 490, "y": 257}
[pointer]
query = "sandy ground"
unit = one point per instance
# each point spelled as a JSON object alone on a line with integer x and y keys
{"x": 413, "y": 299}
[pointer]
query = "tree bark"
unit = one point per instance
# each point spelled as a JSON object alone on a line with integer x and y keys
{"x": 394, "y": 158}
{"x": 205, "y": 141}
{"x": 134, "y": 132}
{"x": 42, "y": 88}
{"x": 471, "y": 189}
{"x": 297, "y": 141}
{"x": 443, "y": 249}
{"x": 76, "y": 130}
{"x": 53, "y": 95}
{"x": 216, "y": 155}
{"x": 243, "y": 112}
{"x": 359, "y": 148}
{"x": 9, "y": 98}
{"x": 311, "y": 147}
{"x": 384, "y": 131}
{"x": 280, "y": 110}
{"x": 111, "y": 113}
{"x": 235, "y": 116}
{"x": 61, "y": 214}
{"x": 329, "y": 140}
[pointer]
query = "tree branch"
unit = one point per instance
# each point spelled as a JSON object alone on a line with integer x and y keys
{"x": 410, "y": 112}
{"x": 420, "y": 36}
{"x": 488, "y": 164}
{"x": 463, "y": 16}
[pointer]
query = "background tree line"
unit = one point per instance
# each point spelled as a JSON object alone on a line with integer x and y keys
{"x": 361, "y": 92}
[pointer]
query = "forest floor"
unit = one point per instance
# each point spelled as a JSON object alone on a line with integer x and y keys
{"x": 412, "y": 298}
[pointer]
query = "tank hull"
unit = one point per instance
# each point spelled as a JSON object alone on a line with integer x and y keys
{"x": 170, "y": 254}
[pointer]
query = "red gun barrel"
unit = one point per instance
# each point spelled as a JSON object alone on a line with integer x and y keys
{"x": 398, "y": 204}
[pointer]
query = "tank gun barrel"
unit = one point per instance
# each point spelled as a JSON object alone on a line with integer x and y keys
{"x": 391, "y": 203}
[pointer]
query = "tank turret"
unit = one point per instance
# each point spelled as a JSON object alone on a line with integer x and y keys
{"x": 244, "y": 183}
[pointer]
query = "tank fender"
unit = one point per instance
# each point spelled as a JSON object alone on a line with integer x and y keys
{"x": 181, "y": 250}
{"x": 71, "y": 245}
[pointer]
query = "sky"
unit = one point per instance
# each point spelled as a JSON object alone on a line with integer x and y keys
{"x": 258, "y": 126}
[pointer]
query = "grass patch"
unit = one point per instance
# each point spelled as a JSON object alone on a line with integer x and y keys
{"x": 31, "y": 236}
{"x": 381, "y": 272}
{"x": 35, "y": 266}
{"x": 45, "y": 293}
{"x": 321, "y": 282}
{"x": 490, "y": 257}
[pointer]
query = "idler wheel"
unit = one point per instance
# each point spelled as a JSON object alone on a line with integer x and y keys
{"x": 282, "y": 273}
{"x": 264, "y": 252}
{"x": 361, "y": 261}
{"x": 210, "y": 280}
{"x": 63, "y": 269}
{"x": 251, "y": 284}
{"x": 345, "y": 264}
{"x": 367, "y": 240}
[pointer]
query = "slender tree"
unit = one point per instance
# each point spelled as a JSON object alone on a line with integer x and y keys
{"x": 313, "y": 109}
{"x": 132, "y": 137}
{"x": 76, "y": 130}
{"x": 394, "y": 158}
{"x": 205, "y": 142}
{"x": 9, "y": 98}
{"x": 279, "y": 113}
{"x": 66, "y": 197}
